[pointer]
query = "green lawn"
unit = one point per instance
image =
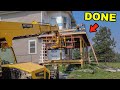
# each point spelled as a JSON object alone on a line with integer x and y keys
{"x": 99, "y": 73}
{"x": 112, "y": 64}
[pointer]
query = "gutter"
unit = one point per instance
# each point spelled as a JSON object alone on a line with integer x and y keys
{"x": 8, "y": 12}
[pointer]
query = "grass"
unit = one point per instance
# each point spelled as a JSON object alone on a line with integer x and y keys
{"x": 99, "y": 73}
{"x": 112, "y": 64}
{"x": 61, "y": 68}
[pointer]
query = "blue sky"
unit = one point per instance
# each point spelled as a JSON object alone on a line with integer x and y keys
{"x": 114, "y": 26}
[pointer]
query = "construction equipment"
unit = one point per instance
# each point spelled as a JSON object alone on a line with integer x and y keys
{"x": 25, "y": 70}
{"x": 9, "y": 66}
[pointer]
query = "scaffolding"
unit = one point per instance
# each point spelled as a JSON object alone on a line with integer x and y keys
{"x": 68, "y": 41}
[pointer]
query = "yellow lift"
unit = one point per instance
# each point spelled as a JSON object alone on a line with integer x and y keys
{"x": 9, "y": 30}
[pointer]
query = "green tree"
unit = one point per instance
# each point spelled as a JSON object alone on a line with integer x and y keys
{"x": 117, "y": 57}
{"x": 104, "y": 45}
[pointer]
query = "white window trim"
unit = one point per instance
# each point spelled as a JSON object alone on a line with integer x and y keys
{"x": 35, "y": 46}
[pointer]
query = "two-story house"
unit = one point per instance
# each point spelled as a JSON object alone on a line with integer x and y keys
{"x": 64, "y": 19}
{"x": 29, "y": 49}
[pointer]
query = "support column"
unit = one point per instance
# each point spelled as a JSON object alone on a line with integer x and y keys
{"x": 69, "y": 53}
{"x": 86, "y": 52}
{"x": 81, "y": 52}
{"x": 81, "y": 49}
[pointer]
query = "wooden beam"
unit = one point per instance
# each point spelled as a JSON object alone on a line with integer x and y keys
{"x": 81, "y": 51}
{"x": 73, "y": 33}
{"x": 84, "y": 41}
{"x": 87, "y": 50}
{"x": 89, "y": 59}
{"x": 94, "y": 53}
{"x": 64, "y": 62}
{"x": 69, "y": 53}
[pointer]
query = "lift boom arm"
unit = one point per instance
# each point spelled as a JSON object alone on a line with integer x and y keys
{"x": 9, "y": 30}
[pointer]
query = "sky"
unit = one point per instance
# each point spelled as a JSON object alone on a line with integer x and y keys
{"x": 114, "y": 26}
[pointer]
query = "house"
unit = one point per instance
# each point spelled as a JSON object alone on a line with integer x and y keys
{"x": 64, "y": 19}
{"x": 31, "y": 48}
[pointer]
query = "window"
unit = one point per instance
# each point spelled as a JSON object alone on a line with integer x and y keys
{"x": 0, "y": 18}
{"x": 32, "y": 48}
{"x": 69, "y": 21}
{"x": 64, "y": 22}
{"x": 53, "y": 21}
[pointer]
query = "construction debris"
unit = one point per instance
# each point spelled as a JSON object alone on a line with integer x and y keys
{"x": 111, "y": 70}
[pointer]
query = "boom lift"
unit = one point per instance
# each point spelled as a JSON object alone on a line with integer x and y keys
{"x": 9, "y": 66}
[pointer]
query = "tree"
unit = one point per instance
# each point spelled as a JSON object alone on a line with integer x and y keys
{"x": 76, "y": 54}
{"x": 117, "y": 57}
{"x": 104, "y": 45}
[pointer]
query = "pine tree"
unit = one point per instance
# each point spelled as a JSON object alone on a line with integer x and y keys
{"x": 104, "y": 45}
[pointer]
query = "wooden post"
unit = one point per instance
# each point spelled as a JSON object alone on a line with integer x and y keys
{"x": 81, "y": 50}
{"x": 82, "y": 63}
{"x": 86, "y": 47}
{"x": 89, "y": 60}
{"x": 60, "y": 53}
{"x": 60, "y": 43}
{"x": 69, "y": 53}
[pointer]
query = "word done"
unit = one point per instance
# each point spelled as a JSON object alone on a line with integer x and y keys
{"x": 96, "y": 16}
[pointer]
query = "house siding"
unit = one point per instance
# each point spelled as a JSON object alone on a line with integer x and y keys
{"x": 20, "y": 47}
{"x": 24, "y": 16}
{"x": 45, "y": 17}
